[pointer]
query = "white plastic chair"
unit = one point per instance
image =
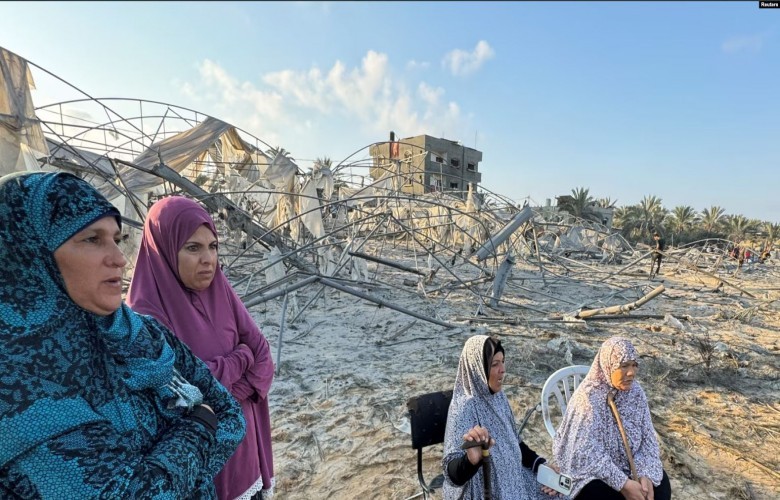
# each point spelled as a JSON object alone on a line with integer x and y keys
{"x": 561, "y": 384}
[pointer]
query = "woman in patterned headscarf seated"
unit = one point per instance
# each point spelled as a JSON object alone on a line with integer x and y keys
{"x": 588, "y": 445}
{"x": 96, "y": 401}
{"x": 480, "y": 411}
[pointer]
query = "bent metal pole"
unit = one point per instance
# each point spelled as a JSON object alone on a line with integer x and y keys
{"x": 624, "y": 308}
{"x": 384, "y": 303}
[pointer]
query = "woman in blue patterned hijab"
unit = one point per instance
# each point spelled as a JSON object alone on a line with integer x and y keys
{"x": 96, "y": 401}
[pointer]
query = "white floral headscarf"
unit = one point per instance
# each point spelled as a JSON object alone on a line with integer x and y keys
{"x": 588, "y": 445}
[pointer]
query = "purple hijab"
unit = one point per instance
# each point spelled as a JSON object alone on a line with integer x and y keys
{"x": 213, "y": 323}
{"x": 588, "y": 446}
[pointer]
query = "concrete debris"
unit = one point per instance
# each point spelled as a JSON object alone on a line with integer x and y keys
{"x": 674, "y": 322}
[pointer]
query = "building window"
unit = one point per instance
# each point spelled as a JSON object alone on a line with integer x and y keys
{"x": 454, "y": 162}
{"x": 453, "y": 185}
{"x": 439, "y": 159}
{"x": 472, "y": 167}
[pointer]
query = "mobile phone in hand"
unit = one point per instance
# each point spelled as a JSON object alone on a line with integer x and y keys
{"x": 548, "y": 477}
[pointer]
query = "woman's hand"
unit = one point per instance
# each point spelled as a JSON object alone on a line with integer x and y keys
{"x": 481, "y": 435}
{"x": 647, "y": 488}
{"x": 632, "y": 490}
{"x": 248, "y": 351}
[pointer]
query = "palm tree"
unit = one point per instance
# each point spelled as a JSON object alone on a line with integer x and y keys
{"x": 606, "y": 202}
{"x": 772, "y": 231}
{"x": 324, "y": 162}
{"x": 627, "y": 218}
{"x": 279, "y": 151}
{"x": 737, "y": 226}
{"x": 682, "y": 219}
{"x": 578, "y": 202}
{"x": 651, "y": 213}
{"x": 755, "y": 226}
{"x": 711, "y": 218}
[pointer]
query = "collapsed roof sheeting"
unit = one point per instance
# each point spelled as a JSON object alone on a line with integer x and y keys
{"x": 21, "y": 138}
{"x": 177, "y": 152}
{"x": 79, "y": 157}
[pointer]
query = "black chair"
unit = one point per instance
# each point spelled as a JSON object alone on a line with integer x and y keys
{"x": 428, "y": 419}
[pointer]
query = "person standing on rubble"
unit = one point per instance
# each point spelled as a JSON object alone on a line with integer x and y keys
{"x": 660, "y": 244}
{"x": 178, "y": 280}
{"x": 765, "y": 254}
{"x": 740, "y": 259}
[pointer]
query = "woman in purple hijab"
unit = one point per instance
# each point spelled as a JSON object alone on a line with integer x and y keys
{"x": 178, "y": 281}
{"x": 588, "y": 445}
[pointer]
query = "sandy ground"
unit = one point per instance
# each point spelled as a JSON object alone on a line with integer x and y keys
{"x": 340, "y": 426}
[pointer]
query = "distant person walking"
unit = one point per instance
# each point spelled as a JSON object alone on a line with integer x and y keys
{"x": 740, "y": 259}
{"x": 658, "y": 255}
{"x": 735, "y": 252}
{"x": 765, "y": 254}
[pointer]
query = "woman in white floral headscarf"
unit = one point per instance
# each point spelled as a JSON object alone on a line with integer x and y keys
{"x": 480, "y": 412}
{"x": 588, "y": 445}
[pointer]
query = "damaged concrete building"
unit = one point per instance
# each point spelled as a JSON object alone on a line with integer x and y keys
{"x": 427, "y": 164}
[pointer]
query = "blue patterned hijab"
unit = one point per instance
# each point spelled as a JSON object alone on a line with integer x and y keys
{"x": 56, "y": 357}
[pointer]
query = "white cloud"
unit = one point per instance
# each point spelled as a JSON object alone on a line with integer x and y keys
{"x": 429, "y": 94}
{"x": 415, "y": 65}
{"x": 462, "y": 63}
{"x": 308, "y": 89}
{"x": 234, "y": 93}
{"x": 358, "y": 90}
{"x": 747, "y": 43}
{"x": 188, "y": 90}
{"x": 368, "y": 99}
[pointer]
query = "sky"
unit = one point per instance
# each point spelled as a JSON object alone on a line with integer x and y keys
{"x": 673, "y": 99}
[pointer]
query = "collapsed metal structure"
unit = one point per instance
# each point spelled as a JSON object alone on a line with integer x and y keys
{"x": 285, "y": 229}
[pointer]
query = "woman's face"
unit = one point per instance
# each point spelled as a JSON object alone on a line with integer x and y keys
{"x": 91, "y": 265}
{"x": 198, "y": 259}
{"x": 623, "y": 376}
{"x": 497, "y": 371}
